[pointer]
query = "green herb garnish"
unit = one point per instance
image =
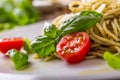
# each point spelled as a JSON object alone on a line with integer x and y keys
{"x": 80, "y": 22}
{"x": 27, "y": 46}
{"x": 19, "y": 59}
{"x": 45, "y": 45}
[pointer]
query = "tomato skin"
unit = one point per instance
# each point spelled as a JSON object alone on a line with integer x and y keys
{"x": 82, "y": 48}
{"x": 11, "y": 43}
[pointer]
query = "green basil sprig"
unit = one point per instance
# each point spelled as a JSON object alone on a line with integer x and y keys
{"x": 45, "y": 45}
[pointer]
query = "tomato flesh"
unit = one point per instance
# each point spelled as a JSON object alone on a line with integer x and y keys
{"x": 11, "y": 43}
{"x": 73, "y": 47}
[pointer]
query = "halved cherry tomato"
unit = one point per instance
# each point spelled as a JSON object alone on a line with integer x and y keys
{"x": 11, "y": 43}
{"x": 73, "y": 47}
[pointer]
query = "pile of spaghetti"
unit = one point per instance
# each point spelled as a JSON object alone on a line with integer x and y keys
{"x": 105, "y": 35}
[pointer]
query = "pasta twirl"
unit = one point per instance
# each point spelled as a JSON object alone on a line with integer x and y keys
{"x": 105, "y": 35}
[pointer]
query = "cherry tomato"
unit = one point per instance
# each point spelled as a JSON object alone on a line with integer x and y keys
{"x": 11, "y": 43}
{"x": 73, "y": 47}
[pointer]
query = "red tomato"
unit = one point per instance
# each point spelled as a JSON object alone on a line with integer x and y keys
{"x": 73, "y": 47}
{"x": 11, "y": 43}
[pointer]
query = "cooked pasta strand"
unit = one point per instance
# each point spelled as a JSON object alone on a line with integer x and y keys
{"x": 105, "y": 35}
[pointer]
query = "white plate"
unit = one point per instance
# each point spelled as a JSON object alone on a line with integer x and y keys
{"x": 55, "y": 69}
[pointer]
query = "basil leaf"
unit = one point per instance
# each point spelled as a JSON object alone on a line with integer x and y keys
{"x": 50, "y": 31}
{"x": 27, "y": 46}
{"x": 19, "y": 59}
{"x": 43, "y": 45}
{"x": 112, "y": 60}
{"x": 46, "y": 51}
{"x": 80, "y": 22}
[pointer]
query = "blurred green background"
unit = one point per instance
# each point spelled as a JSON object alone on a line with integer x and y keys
{"x": 17, "y": 13}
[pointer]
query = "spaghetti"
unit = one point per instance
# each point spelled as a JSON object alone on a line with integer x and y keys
{"x": 105, "y": 35}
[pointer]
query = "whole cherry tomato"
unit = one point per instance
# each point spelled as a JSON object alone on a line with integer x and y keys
{"x": 73, "y": 47}
{"x": 11, "y": 43}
